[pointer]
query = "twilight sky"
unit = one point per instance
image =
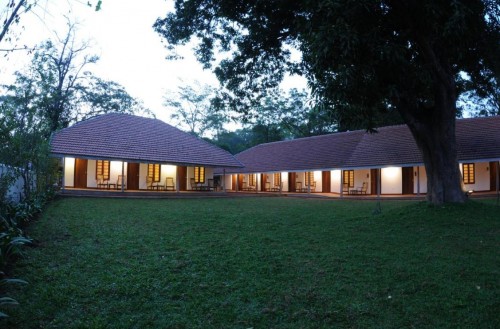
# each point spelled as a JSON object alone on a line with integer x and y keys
{"x": 121, "y": 33}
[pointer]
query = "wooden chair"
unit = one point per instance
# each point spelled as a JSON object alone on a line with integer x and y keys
{"x": 252, "y": 188}
{"x": 121, "y": 179}
{"x": 101, "y": 183}
{"x": 363, "y": 188}
{"x": 276, "y": 186}
{"x": 210, "y": 186}
{"x": 150, "y": 184}
{"x": 310, "y": 188}
{"x": 169, "y": 184}
{"x": 298, "y": 186}
{"x": 345, "y": 188}
{"x": 194, "y": 186}
{"x": 267, "y": 187}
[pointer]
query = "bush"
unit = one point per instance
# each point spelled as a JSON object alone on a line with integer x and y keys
{"x": 12, "y": 218}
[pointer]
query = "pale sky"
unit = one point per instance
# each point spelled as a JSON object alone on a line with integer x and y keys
{"x": 131, "y": 52}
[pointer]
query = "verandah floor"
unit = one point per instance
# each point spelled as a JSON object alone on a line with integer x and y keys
{"x": 231, "y": 193}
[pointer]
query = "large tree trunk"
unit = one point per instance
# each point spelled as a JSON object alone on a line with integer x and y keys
{"x": 433, "y": 126}
{"x": 433, "y": 129}
{"x": 436, "y": 141}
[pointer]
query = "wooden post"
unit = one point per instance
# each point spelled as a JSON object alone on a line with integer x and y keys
{"x": 498, "y": 182}
{"x": 418, "y": 180}
{"x": 341, "y": 183}
{"x": 123, "y": 173}
{"x": 224, "y": 180}
{"x": 63, "y": 178}
{"x": 177, "y": 180}
{"x": 378, "y": 210}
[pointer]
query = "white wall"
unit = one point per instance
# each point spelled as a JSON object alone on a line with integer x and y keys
{"x": 16, "y": 189}
{"x": 91, "y": 179}
{"x": 69, "y": 172}
{"x": 392, "y": 180}
{"x": 228, "y": 181}
{"x": 419, "y": 177}
{"x": 209, "y": 174}
{"x": 319, "y": 181}
{"x": 335, "y": 176}
{"x": 362, "y": 176}
{"x": 482, "y": 177}
{"x": 284, "y": 181}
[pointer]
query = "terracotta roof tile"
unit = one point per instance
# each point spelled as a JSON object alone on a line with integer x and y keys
{"x": 477, "y": 139}
{"x": 133, "y": 138}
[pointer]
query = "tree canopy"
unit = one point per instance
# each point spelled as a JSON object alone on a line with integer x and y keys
{"x": 363, "y": 59}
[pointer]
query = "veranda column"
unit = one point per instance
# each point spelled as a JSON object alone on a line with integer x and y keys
{"x": 64, "y": 170}
{"x": 177, "y": 180}
{"x": 123, "y": 177}
{"x": 418, "y": 180}
{"x": 224, "y": 180}
{"x": 341, "y": 183}
{"x": 498, "y": 181}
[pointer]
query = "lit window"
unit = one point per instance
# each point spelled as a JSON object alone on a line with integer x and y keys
{"x": 102, "y": 168}
{"x": 199, "y": 174}
{"x": 277, "y": 178}
{"x": 251, "y": 179}
{"x": 309, "y": 177}
{"x": 154, "y": 171}
{"x": 469, "y": 173}
{"x": 349, "y": 177}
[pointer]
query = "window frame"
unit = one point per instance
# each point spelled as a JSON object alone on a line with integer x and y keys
{"x": 308, "y": 177}
{"x": 348, "y": 177}
{"x": 252, "y": 179}
{"x": 154, "y": 171}
{"x": 277, "y": 178}
{"x": 102, "y": 167}
{"x": 199, "y": 173}
{"x": 469, "y": 173}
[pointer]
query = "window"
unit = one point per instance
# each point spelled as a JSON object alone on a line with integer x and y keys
{"x": 349, "y": 177}
{"x": 199, "y": 174}
{"x": 309, "y": 177}
{"x": 102, "y": 168}
{"x": 251, "y": 180}
{"x": 154, "y": 171}
{"x": 469, "y": 173}
{"x": 277, "y": 179}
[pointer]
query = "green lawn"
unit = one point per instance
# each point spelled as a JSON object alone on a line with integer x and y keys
{"x": 260, "y": 263}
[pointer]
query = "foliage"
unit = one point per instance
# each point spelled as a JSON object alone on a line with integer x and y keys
{"x": 12, "y": 238}
{"x": 59, "y": 87}
{"x": 13, "y": 11}
{"x": 365, "y": 61}
{"x": 7, "y": 300}
{"x": 192, "y": 108}
{"x": 262, "y": 263}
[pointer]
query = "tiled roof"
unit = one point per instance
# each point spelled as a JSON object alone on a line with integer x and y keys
{"x": 477, "y": 139}
{"x": 132, "y": 138}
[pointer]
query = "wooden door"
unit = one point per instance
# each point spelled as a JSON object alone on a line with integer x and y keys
{"x": 326, "y": 181}
{"x": 292, "y": 178}
{"x": 132, "y": 176}
{"x": 233, "y": 182}
{"x": 263, "y": 180}
{"x": 240, "y": 182}
{"x": 407, "y": 180}
{"x": 493, "y": 175}
{"x": 182, "y": 177}
{"x": 80, "y": 173}
{"x": 374, "y": 181}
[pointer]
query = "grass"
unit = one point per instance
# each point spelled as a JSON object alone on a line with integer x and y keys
{"x": 260, "y": 263}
